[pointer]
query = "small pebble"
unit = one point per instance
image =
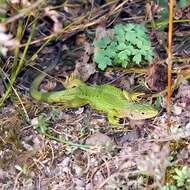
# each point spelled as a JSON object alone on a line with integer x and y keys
{"x": 177, "y": 110}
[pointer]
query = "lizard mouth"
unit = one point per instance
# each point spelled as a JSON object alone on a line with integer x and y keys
{"x": 142, "y": 114}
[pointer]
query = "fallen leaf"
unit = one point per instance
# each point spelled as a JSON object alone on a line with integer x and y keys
{"x": 156, "y": 77}
{"x": 99, "y": 139}
{"x": 81, "y": 39}
{"x": 54, "y": 15}
{"x": 177, "y": 110}
{"x": 130, "y": 136}
{"x": 6, "y": 42}
{"x": 84, "y": 68}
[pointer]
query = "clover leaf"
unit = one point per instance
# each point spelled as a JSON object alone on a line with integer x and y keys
{"x": 129, "y": 46}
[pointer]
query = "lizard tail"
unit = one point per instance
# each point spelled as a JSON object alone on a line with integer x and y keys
{"x": 34, "y": 92}
{"x": 69, "y": 96}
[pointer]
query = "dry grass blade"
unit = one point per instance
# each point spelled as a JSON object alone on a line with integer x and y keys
{"x": 17, "y": 65}
{"x": 23, "y": 12}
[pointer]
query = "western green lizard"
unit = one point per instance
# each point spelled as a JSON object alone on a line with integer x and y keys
{"x": 104, "y": 98}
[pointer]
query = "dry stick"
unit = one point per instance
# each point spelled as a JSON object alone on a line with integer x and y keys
{"x": 69, "y": 28}
{"x": 171, "y": 5}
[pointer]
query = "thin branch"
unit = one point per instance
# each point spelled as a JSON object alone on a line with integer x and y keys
{"x": 170, "y": 30}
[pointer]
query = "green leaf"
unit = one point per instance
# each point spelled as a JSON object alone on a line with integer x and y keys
{"x": 120, "y": 37}
{"x": 130, "y": 27}
{"x": 131, "y": 37}
{"x": 162, "y": 3}
{"x": 139, "y": 44}
{"x": 146, "y": 42}
{"x": 182, "y": 3}
{"x": 122, "y": 46}
{"x": 137, "y": 58}
{"x": 119, "y": 28}
{"x": 42, "y": 125}
{"x": 130, "y": 44}
{"x": 145, "y": 50}
{"x": 134, "y": 51}
{"x": 99, "y": 55}
{"x": 169, "y": 187}
{"x": 102, "y": 43}
{"x": 119, "y": 31}
{"x": 111, "y": 49}
{"x": 110, "y": 52}
{"x": 164, "y": 13}
{"x": 54, "y": 114}
{"x": 178, "y": 172}
{"x": 159, "y": 103}
{"x": 119, "y": 61}
{"x": 130, "y": 48}
{"x": 125, "y": 63}
{"x": 102, "y": 60}
{"x": 123, "y": 55}
{"x": 104, "y": 63}
{"x": 140, "y": 30}
{"x": 148, "y": 57}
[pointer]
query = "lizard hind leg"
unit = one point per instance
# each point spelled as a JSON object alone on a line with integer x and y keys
{"x": 133, "y": 96}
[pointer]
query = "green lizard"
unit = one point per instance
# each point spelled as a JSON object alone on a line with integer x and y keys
{"x": 104, "y": 98}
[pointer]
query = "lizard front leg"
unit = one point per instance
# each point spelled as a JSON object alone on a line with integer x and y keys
{"x": 113, "y": 119}
{"x": 72, "y": 82}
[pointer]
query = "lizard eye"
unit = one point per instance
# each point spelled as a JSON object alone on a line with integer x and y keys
{"x": 142, "y": 113}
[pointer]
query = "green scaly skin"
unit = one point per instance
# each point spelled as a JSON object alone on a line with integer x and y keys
{"x": 104, "y": 98}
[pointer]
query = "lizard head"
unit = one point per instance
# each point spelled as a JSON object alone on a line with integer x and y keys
{"x": 141, "y": 112}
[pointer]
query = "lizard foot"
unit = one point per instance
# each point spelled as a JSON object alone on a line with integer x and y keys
{"x": 115, "y": 121}
{"x": 133, "y": 97}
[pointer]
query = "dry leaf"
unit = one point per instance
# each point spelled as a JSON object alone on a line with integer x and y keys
{"x": 54, "y": 15}
{"x": 177, "y": 110}
{"x": 99, "y": 139}
{"x": 156, "y": 77}
{"x": 83, "y": 68}
{"x": 6, "y": 41}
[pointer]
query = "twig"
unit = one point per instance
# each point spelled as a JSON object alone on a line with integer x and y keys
{"x": 171, "y": 5}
